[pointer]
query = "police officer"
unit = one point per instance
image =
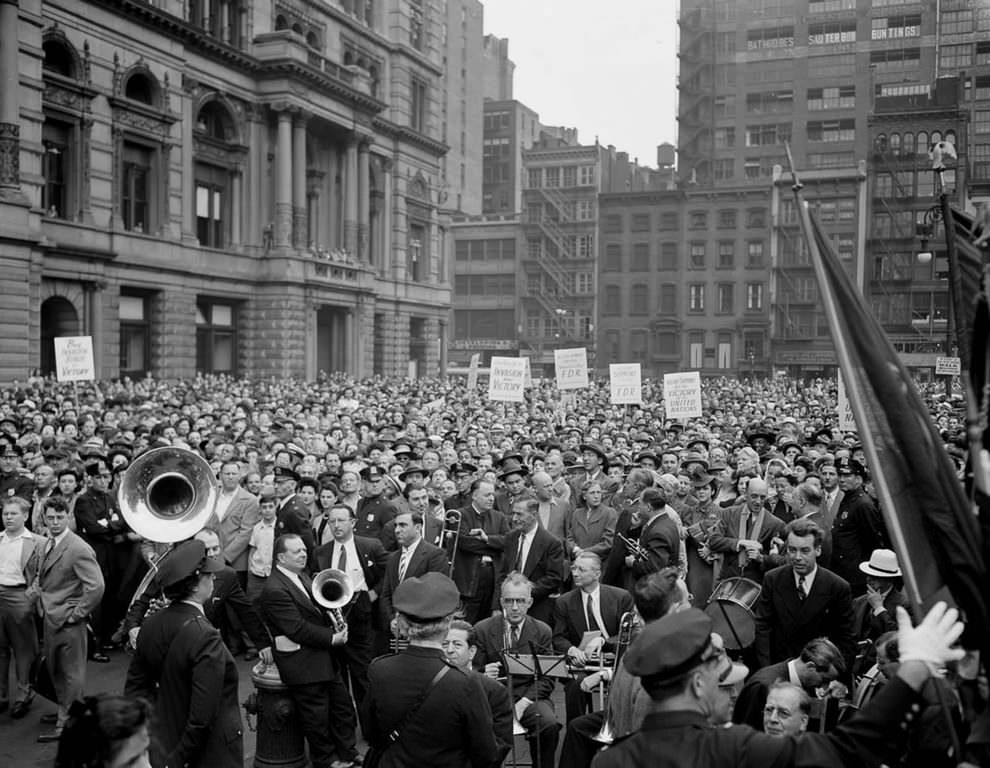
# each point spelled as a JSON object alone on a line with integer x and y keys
{"x": 420, "y": 709}
{"x": 182, "y": 666}
{"x": 13, "y": 480}
{"x": 374, "y": 510}
{"x": 678, "y": 663}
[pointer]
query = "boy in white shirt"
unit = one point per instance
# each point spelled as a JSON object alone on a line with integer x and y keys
{"x": 261, "y": 544}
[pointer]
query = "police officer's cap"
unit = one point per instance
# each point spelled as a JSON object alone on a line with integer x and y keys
{"x": 284, "y": 473}
{"x": 670, "y": 647}
{"x": 185, "y": 560}
{"x": 426, "y": 598}
{"x": 847, "y": 466}
{"x": 372, "y": 474}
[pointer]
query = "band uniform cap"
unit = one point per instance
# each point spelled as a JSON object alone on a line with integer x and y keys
{"x": 425, "y": 598}
{"x": 848, "y": 466}
{"x": 372, "y": 474}
{"x": 882, "y": 563}
{"x": 183, "y": 561}
{"x": 284, "y": 473}
{"x": 669, "y": 647}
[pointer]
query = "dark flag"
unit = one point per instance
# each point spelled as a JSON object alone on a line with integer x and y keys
{"x": 965, "y": 272}
{"x": 932, "y": 524}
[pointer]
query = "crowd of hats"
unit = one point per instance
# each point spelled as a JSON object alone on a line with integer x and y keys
{"x": 44, "y": 421}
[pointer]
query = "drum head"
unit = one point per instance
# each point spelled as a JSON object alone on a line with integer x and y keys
{"x": 733, "y": 622}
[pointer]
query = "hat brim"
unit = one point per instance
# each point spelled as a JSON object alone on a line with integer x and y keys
{"x": 869, "y": 571}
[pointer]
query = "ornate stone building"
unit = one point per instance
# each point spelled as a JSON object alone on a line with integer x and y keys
{"x": 240, "y": 186}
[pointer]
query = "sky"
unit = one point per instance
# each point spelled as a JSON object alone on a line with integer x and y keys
{"x": 585, "y": 65}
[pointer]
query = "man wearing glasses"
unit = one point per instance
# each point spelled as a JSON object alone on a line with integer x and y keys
{"x": 513, "y": 630}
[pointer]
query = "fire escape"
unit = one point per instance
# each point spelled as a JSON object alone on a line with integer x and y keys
{"x": 556, "y": 289}
{"x": 696, "y": 86}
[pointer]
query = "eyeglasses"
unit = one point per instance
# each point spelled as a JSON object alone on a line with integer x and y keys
{"x": 515, "y": 600}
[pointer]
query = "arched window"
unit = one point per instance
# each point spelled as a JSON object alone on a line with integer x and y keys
{"x": 297, "y": 28}
{"x": 895, "y": 143}
{"x": 141, "y": 87}
{"x": 212, "y": 120}
{"x": 58, "y": 59}
{"x": 907, "y": 148}
{"x": 950, "y": 137}
{"x": 936, "y": 137}
{"x": 880, "y": 143}
{"x": 312, "y": 40}
{"x": 281, "y": 23}
{"x": 216, "y": 159}
{"x": 922, "y": 146}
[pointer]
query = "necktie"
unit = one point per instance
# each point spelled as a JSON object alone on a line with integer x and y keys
{"x": 802, "y": 592}
{"x": 592, "y": 621}
{"x": 403, "y": 563}
{"x": 519, "y": 553}
{"x": 342, "y": 559}
{"x": 513, "y": 635}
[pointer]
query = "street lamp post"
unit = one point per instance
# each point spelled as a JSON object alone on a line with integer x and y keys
{"x": 926, "y": 229}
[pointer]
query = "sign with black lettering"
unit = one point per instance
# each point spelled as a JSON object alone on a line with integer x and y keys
{"x": 572, "y": 368}
{"x": 74, "y": 358}
{"x": 682, "y": 395}
{"x": 625, "y": 383}
{"x": 507, "y": 379}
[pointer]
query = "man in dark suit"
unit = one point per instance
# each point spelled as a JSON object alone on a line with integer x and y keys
{"x": 536, "y": 554}
{"x": 819, "y": 663}
{"x": 417, "y": 501}
{"x": 414, "y": 558}
{"x": 183, "y": 668}
{"x": 292, "y": 515}
{"x": 373, "y": 510}
{"x": 363, "y": 560}
{"x": 659, "y": 538}
{"x": 590, "y": 607}
{"x": 514, "y": 630}
{"x": 874, "y": 613}
{"x": 479, "y": 546}
{"x": 513, "y": 475}
{"x": 303, "y": 639}
{"x": 70, "y": 585}
{"x": 801, "y": 601}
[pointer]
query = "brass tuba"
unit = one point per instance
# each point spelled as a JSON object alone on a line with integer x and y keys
{"x": 167, "y": 494}
{"x": 332, "y": 589}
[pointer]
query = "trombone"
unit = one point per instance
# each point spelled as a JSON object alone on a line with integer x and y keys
{"x": 451, "y": 533}
{"x": 606, "y": 735}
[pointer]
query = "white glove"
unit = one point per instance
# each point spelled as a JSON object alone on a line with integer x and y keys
{"x": 931, "y": 641}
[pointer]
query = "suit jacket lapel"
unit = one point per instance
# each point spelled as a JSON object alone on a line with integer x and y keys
{"x": 534, "y": 554}
{"x": 55, "y": 554}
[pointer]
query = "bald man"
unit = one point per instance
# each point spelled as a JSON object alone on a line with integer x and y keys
{"x": 745, "y": 533}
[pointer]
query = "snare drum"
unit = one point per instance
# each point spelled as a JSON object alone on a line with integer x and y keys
{"x": 731, "y": 610}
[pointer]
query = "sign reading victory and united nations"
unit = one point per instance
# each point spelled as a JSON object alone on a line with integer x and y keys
{"x": 74, "y": 358}
{"x": 682, "y": 395}
{"x": 507, "y": 379}
{"x": 625, "y": 383}
{"x": 572, "y": 368}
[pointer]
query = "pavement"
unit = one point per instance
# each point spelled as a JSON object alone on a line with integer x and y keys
{"x": 18, "y": 745}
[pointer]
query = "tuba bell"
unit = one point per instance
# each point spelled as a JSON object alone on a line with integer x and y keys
{"x": 167, "y": 494}
{"x": 332, "y": 589}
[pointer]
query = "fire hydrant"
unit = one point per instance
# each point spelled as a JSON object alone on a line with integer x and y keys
{"x": 279, "y": 729}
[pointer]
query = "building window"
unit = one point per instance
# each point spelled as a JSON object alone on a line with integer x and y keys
{"x": 417, "y": 105}
{"x": 668, "y": 256}
{"x": 416, "y": 24}
{"x": 136, "y": 188}
{"x": 724, "y": 297}
{"x": 669, "y": 221}
{"x": 416, "y": 268}
{"x": 833, "y": 97}
{"x": 667, "y": 343}
{"x": 696, "y": 349}
{"x": 210, "y": 206}
{"x": 135, "y": 335}
{"x": 218, "y": 18}
{"x": 585, "y": 210}
{"x": 754, "y": 253}
{"x": 753, "y": 345}
{"x": 697, "y": 255}
{"x": 754, "y": 297}
{"x": 613, "y": 224}
{"x": 956, "y": 56}
{"x": 724, "y": 352}
{"x": 696, "y": 297}
{"x": 613, "y": 300}
{"x": 216, "y": 337}
{"x": 613, "y": 258}
{"x": 832, "y": 130}
{"x": 727, "y": 219}
{"x": 584, "y": 283}
{"x": 641, "y": 222}
{"x": 723, "y": 168}
{"x": 56, "y": 165}
{"x": 639, "y": 301}
{"x": 668, "y": 299}
{"x": 640, "y": 257}
{"x": 553, "y": 177}
{"x": 613, "y": 345}
{"x": 586, "y": 175}
{"x": 756, "y": 218}
{"x": 699, "y": 219}
{"x": 725, "y": 138}
{"x": 570, "y": 176}
{"x": 726, "y": 254}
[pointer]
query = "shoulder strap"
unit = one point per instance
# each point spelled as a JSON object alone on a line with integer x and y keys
{"x": 394, "y": 734}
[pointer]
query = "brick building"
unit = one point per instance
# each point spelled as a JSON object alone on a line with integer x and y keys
{"x": 252, "y": 188}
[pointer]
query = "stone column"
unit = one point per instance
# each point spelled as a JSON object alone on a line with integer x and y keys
{"x": 10, "y": 128}
{"x": 283, "y": 184}
{"x": 385, "y": 219}
{"x": 188, "y": 225}
{"x": 351, "y": 199}
{"x": 443, "y": 348}
{"x": 364, "y": 201}
{"x": 93, "y": 321}
{"x": 236, "y": 204}
{"x": 349, "y": 340}
{"x": 299, "y": 225}
{"x": 329, "y": 213}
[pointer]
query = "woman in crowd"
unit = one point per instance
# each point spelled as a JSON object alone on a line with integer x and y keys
{"x": 106, "y": 731}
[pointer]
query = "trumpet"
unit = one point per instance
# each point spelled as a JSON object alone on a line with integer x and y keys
{"x": 332, "y": 589}
{"x": 451, "y": 533}
{"x": 634, "y": 548}
{"x": 606, "y": 735}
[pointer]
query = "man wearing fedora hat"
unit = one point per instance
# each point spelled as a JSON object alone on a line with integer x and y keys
{"x": 874, "y": 612}
{"x": 513, "y": 474}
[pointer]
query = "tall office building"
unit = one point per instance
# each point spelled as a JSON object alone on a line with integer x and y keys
{"x": 824, "y": 76}
{"x": 247, "y": 188}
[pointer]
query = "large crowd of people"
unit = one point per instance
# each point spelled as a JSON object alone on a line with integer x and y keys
{"x": 639, "y": 551}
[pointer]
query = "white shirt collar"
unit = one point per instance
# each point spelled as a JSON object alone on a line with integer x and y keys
{"x": 24, "y": 534}
{"x": 809, "y": 579}
{"x": 792, "y": 673}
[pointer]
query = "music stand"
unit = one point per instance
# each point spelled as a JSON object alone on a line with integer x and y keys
{"x": 538, "y": 667}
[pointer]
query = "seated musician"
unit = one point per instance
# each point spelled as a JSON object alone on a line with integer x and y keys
{"x": 513, "y": 630}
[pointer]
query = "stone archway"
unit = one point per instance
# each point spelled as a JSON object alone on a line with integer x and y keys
{"x": 58, "y": 318}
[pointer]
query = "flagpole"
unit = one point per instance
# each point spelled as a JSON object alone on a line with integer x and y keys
{"x": 956, "y": 315}
{"x": 855, "y": 394}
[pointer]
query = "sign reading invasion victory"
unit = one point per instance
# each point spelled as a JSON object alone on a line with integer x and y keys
{"x": 74, "y": 358}
{"x": 507, "y": 377}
